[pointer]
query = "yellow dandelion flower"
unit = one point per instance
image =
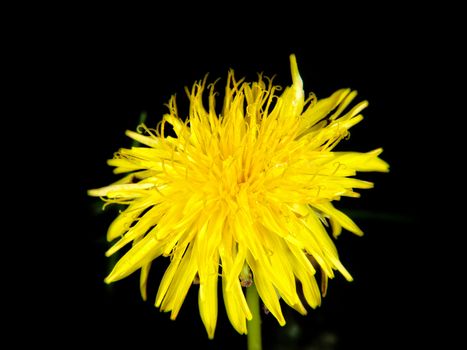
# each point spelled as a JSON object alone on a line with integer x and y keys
{"x": 243, "y": 194}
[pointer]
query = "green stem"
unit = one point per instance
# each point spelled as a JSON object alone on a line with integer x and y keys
{"x": 253, "y": 326}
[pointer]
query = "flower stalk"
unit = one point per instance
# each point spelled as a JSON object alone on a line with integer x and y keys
{"x": 254, "y": 325}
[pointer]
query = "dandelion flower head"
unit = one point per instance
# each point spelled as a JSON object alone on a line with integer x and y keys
{"x": 242, "y": 196}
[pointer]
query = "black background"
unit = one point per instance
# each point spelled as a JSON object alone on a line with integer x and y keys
{"x": 105, "y": 70}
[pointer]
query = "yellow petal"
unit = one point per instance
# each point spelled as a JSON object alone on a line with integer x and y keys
{"x": 322, "y": 108}
{"x": 143, "y": 280}
{"x": 123, "y": 190}
{"x": 145, "y": 140}
{"x": 340, "y": 217}
{"x": 363, "y": 161}
{"x": 266, "y": 290}
{"x": 236, "y": 306}
{"x": 182, "y": 280}
{"x": 147, "y": 248}
{"x": 207, "y": 299}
